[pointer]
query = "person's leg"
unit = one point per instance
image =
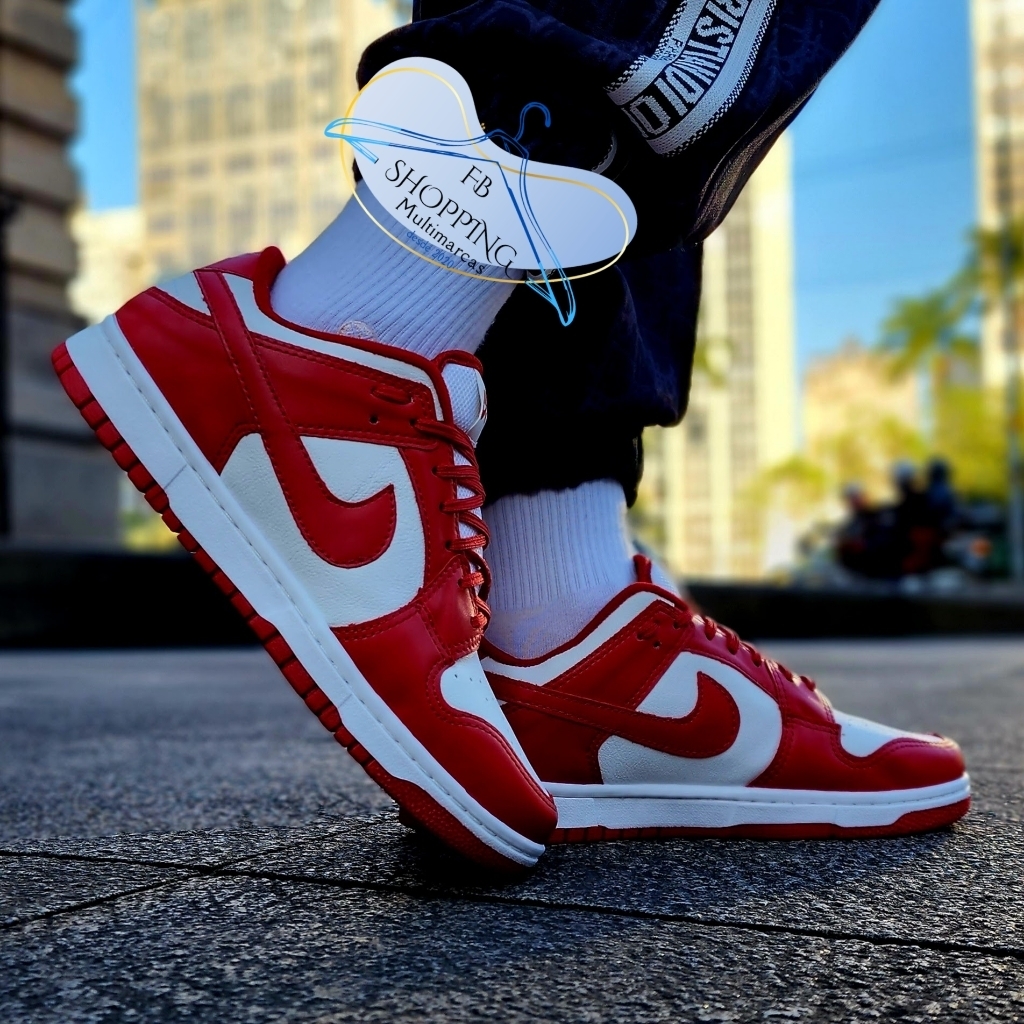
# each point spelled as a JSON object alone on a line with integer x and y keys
{"x": 568, "y": 405}
{"x": 557, "y": 554}
{"x": 648, "y": 718}
{"x": 558, "y": 469}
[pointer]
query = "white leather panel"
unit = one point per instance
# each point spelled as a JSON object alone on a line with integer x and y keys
{"x": 259, "y": 323}
{"x": 186, "y": 290}
{"x": 555, "y": 666}
{"x": 862, "y": 738}
{"x": 464, "y": 686}
{"x": 353, "y": 471}
{"x": 675, "y": 695}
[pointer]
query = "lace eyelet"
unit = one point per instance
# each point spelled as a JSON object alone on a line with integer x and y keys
{"x": 373, "y": 417}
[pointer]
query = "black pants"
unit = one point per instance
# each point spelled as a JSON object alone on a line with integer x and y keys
{"x": 688, "y": 96}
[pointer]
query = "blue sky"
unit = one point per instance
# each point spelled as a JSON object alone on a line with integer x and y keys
{"x": 884, "y": 171}
{"x": 883, "y": 160}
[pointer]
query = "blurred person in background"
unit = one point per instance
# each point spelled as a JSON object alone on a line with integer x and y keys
{"x": 864, "y": 540}
{"x": 940, "y": 496}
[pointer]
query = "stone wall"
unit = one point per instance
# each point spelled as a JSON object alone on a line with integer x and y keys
{"x": 62, "y": 488}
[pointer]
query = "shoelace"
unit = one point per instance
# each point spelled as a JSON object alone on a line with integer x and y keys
{"x": 733, "y": 644}
{"x": 478, "y": 582}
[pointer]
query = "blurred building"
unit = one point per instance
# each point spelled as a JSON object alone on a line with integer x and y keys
{"x": 695, "y": 504}
{"x": 60, "y": 485}
{"x": 852, "y": 388}
{"x": 112, "y": 263}
{"x": 234, "y": 96}
{"x": 997, "y": 28}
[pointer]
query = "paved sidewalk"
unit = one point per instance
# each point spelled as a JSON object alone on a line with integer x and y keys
{"x": 179, "y": 840}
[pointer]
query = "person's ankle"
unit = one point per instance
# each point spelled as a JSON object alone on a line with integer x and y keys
{"x": 557, "y": 557}
{"x": 354, "y": 275}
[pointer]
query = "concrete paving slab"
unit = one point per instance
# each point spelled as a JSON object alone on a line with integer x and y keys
{"x": 102, "y": 742}
{"x": 997, "y": 790}
{"x": 965, "y": 886}
{"x": 254, "y": 950}
{"x": 32, "y": 887}
{"x": 285, "y": 892}
{"x": 194, "y": 849}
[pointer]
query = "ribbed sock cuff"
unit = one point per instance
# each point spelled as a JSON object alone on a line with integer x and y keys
{"x": 353, "y": 272}
{"x": 557, "y": 558}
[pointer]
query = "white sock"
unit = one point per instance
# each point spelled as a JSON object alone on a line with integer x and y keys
{"x": 557, "y": 558}
{"x": 353, "y": 275}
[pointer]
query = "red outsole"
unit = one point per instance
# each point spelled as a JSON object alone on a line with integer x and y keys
{"x": 413, "y": 801}
{"x": 909, "y": 824}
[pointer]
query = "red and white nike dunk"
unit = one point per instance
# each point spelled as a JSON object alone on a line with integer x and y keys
{"x": 656, "y": 721}
{"x": 323, "y": 483}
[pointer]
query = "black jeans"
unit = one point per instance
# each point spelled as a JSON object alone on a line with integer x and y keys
{"x": 684, "y": 97}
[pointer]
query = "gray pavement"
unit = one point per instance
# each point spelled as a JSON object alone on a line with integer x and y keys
{"x": 180, "y": 840}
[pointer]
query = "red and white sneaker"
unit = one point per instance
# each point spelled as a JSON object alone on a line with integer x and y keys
{"x": 324, "y": 485}
{"x": 656, "y": 721}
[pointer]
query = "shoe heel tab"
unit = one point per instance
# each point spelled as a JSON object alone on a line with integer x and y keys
{"x": 260, "y": 267}
{"x": 643, "y": 567}
{"x": 460, "y": 358}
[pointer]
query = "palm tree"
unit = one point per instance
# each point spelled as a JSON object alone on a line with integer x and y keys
{"x": 930, "y": 333}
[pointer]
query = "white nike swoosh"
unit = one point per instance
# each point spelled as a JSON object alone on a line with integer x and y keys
{"x": 352, "y": 471}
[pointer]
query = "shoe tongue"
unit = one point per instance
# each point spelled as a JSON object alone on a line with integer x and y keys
{"x": 468, "y": 398}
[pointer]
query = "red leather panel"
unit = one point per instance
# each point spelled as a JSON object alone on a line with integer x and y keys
{"x": 623, "y": 671}
{"x": 299, "y": 392}
{"x": 403, "y": 656}
{"x": 189, "y": 364}
{"x": 811, "y": 755}
{"x": 708, "y": 730}
{"x": 342, "y": 533}
{"x": 253, "y": 265}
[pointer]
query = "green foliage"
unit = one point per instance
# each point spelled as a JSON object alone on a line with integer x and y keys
{"x": 798, "y": 484}
{"x": 711, "y": 356}
{"x": 994, "y": 268}
{"x": 936, "y": 334}
{"x": 863, "y": 454}
{"x": 933, "y": 336}
{"x": 970, "y": 432}
{"x": 929, "y": 333}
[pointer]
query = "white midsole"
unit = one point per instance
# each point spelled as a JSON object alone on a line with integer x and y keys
{"x": 207, "y": 509}
{"x": 667, "y": 806}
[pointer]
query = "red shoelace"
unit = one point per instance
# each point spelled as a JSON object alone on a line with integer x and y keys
{"x": 733, "y": 644}
{"x": 478, "y": 582}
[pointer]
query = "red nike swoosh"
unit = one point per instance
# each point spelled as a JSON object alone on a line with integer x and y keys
{"x": 709, "y": 729}
{"x": 343, "y": 533}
